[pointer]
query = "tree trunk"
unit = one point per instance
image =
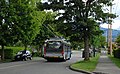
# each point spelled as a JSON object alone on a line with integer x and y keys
{"x": 25, "y": 46}
{"x": 40, "y": 49}
{"x": 94, "y": 51}
{"x": 3, "y": 55}
{"x": 86, "y": 47}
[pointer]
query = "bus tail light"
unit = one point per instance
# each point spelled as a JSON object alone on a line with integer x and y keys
{"x": 62, "y": 52}
{"x": 44, "y": 50}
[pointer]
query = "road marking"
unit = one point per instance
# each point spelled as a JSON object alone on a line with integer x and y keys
{"x": 17, "y": 65}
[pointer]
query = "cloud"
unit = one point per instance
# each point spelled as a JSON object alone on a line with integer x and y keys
{"x": 116, "y": 21}
{"x": 116, "y": 10}
{"x": 115, "y": 25}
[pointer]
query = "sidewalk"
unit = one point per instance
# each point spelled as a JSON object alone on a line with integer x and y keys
{"x": 106, "y": 66}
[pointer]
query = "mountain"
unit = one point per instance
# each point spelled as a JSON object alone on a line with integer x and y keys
{"x": 115, "y": 33}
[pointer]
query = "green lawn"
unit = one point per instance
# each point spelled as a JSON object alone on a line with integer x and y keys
{"x": 87, "y": 65}
{"x": 115, "y": 60}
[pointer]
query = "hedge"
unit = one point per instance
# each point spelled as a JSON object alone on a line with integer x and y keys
{"x": 10, "y": 52}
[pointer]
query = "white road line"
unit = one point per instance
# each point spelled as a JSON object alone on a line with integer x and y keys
{"x": 17, "y": 65}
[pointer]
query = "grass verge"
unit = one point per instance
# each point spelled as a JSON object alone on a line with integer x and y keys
{"x": 115, "y": 60}
{"x": 87, "y": 65}
{"x": 5, "y": 61}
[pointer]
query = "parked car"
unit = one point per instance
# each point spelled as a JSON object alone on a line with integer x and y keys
{"x": 23, "y": 55}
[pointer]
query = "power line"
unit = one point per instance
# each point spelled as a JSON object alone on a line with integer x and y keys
{"x": 49, "y": 29}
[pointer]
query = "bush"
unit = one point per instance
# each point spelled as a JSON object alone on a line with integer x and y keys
{"x": 116, "y": 53}
{"x": 10, "y": 52}
{"x": 15, "y": 49}
{"x": 36, "y": 54}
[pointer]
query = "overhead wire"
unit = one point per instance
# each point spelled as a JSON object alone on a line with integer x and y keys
{"x": 46, "y": 26}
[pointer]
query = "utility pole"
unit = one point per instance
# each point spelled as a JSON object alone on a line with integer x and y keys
{"x": 108, "y": 40}
{"x": 110, "y": 34}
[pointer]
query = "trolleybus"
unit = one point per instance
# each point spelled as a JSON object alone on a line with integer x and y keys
{"x": 57, "y": 48}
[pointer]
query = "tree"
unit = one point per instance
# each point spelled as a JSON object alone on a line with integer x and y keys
{"x": 28, "y": 21}
{"x": 79, "y": 17}
{"x": 97, "y": 39}
{"x": 6, "y": 21}
{"x": 46, "y": 31}
{"x": 19, "y": 21}
{"x": 102, "y": 41}
{"x": 44, "y": 34}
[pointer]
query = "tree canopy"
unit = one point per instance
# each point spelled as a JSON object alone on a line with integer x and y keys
{"x": 19, "y": 21}
{"x": 78, "y": 19}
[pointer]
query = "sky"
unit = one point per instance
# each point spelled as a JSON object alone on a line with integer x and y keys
{"x": 116, "y": 21}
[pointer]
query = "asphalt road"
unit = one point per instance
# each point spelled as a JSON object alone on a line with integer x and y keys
{"x": 40, "y": 66}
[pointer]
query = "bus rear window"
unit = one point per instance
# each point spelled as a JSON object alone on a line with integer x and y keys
{"x": 53, "y": 44}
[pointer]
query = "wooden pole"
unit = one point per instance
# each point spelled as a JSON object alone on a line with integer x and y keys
{"x": 110, "y": 32}
{"x": 108, "y": 38}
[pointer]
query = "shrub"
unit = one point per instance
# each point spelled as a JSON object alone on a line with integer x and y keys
{"x": 10, "y": 52}
{"x": 116, "y": 53}
{"x": 15, "y": 49}
{"x": 36, "y": 54}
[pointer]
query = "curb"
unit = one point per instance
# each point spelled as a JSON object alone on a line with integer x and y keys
{"x": 83, "y": 71}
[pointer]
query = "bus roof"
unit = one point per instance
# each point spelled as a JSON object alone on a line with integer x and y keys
{"x": 58, "y": 39}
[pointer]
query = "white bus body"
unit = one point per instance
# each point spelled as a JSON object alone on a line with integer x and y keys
{"x": 56, "y": 48}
